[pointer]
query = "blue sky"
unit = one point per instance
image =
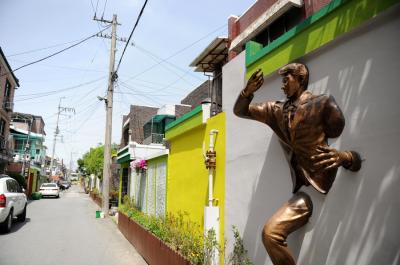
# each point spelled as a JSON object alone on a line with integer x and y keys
{"x": 167, "y": 27}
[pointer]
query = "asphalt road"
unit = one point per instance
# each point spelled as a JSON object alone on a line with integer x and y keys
{"x": 65, "y": 231}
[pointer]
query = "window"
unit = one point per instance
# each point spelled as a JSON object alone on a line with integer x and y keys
{"x": 124, "y": 187}
{"x": 13, "y": 186}
{"x": 17, "y": 187}
{"x": 280, "y": 26}
{"x": 6, "y": 101}
{"x": 7, "y": 90}
{"x": 19, "y": 146}
{"x": 2, "y": 126}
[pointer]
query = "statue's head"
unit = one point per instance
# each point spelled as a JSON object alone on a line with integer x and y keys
{"x": 294, "y": 79}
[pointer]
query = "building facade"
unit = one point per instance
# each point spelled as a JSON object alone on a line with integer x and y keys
{"x": 29, "y": 154}
{"x": 8, "y": 84}
{"x": 351, "y": 49}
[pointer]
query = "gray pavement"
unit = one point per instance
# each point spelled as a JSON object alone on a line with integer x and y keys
{"x": 65, "y": 231}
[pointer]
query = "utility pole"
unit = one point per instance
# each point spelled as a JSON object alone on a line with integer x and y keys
{"x": 70, "y": 166}
{"x": 109, "y": 107}
{"x": 26, "y": 147}
{"x": 57, "y": 131}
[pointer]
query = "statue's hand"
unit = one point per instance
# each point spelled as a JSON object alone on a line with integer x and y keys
{"x": 329, "y": 158}
{"x": 255, "y": 82}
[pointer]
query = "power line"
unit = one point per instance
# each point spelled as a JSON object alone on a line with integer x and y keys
{"x": 158, "y": 103}
{"x": 94, "y": 110}
{"x": 159, "y": 59}
{"x": 153, "y": 83}
{"x": 97, "y": 4}
{"x": 51, "y": 55}
{"x": 48, "y": 93}
{"x": 104, "y": 9}
{"x": 63, "y": 89}
{"x": 130, "y": 36}
{"x": 65, "y": 67}
{"x": 176, "y": 53}
{"x": 170, "y": 84}
{"x": 98, "y": 23}
{"x": 81, "y": 98}
{"x": 44, "y": 48}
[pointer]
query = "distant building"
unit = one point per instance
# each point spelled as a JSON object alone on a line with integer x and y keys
{"x": 142, "y": 135}
{"x": 8, "y": 84}
{"x": 28, "y": 137}
{"x": 29, "y": 154}
{"x": 133, "y": 122}
{"x": 198, "y": 95}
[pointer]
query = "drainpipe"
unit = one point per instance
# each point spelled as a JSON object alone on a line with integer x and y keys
{"x": 210, "y": 164}
{"x": 211, "y": 213}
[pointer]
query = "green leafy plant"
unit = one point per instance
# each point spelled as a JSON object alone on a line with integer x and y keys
{"x": 177, "y": 231}
{"x": 95, "y": 191}
{"x": 211, "y": 247}
{"x": 239, "y": 253}
{"x": 19, "y": 178}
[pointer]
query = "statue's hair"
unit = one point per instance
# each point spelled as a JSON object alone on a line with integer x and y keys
{"x": 298, "y": 70}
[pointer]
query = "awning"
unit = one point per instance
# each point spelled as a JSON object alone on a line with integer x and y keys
{"x": 31, "y": 134}
{"x": 212, "y": 57}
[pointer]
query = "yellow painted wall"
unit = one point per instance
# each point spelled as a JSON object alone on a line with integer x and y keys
{"x": 34, "y": 180}
{"x": 187, "y": 179}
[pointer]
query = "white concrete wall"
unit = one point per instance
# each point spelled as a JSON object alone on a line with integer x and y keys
{"x": 167, "y": 109}
{"x": 358, "y": 221}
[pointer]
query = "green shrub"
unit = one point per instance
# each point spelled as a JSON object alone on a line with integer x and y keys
{"x": 19, "y": 178}
{"x": 239, "y": 254}
{"x": 95, "y": 191}
{"x": 36, "y": 196}
{"x": 177, "y": 231}
{"x": 186, "y": 236}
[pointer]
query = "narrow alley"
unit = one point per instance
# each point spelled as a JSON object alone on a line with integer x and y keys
{"x": 66, "y": 231}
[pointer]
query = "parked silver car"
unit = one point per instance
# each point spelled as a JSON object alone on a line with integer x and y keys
{"x": 13, "y": 202}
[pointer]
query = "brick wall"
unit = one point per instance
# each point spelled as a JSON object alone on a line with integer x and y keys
{"x": 138, "y": 116}
{"x": 195, "y": 97}
{"x": 180, "y": 110}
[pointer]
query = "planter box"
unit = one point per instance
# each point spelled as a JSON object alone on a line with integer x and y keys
{"x": 152, "y": 249}
{"x": 96, "y": 198}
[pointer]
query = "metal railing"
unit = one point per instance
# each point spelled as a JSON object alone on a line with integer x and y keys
{"x": 154, "y": 138}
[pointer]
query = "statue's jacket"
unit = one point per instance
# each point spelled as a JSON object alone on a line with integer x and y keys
{"x": 316, "y": 118}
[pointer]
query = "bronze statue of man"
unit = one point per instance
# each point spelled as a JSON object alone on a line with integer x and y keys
{"x": 303, "y": 123}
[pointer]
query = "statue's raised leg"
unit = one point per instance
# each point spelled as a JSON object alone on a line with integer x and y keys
{"x": 290, "y": 217}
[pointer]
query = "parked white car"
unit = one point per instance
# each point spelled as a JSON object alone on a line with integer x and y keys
{"x": 13, "y": 202}
{"x": 50, "y": 189}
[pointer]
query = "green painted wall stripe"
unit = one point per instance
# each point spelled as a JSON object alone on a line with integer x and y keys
{"x": 256, "y": 50}
{"x": 330, "y": 22}
{"x": 187, "y": 125}
{"x": 184, "y": 118}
